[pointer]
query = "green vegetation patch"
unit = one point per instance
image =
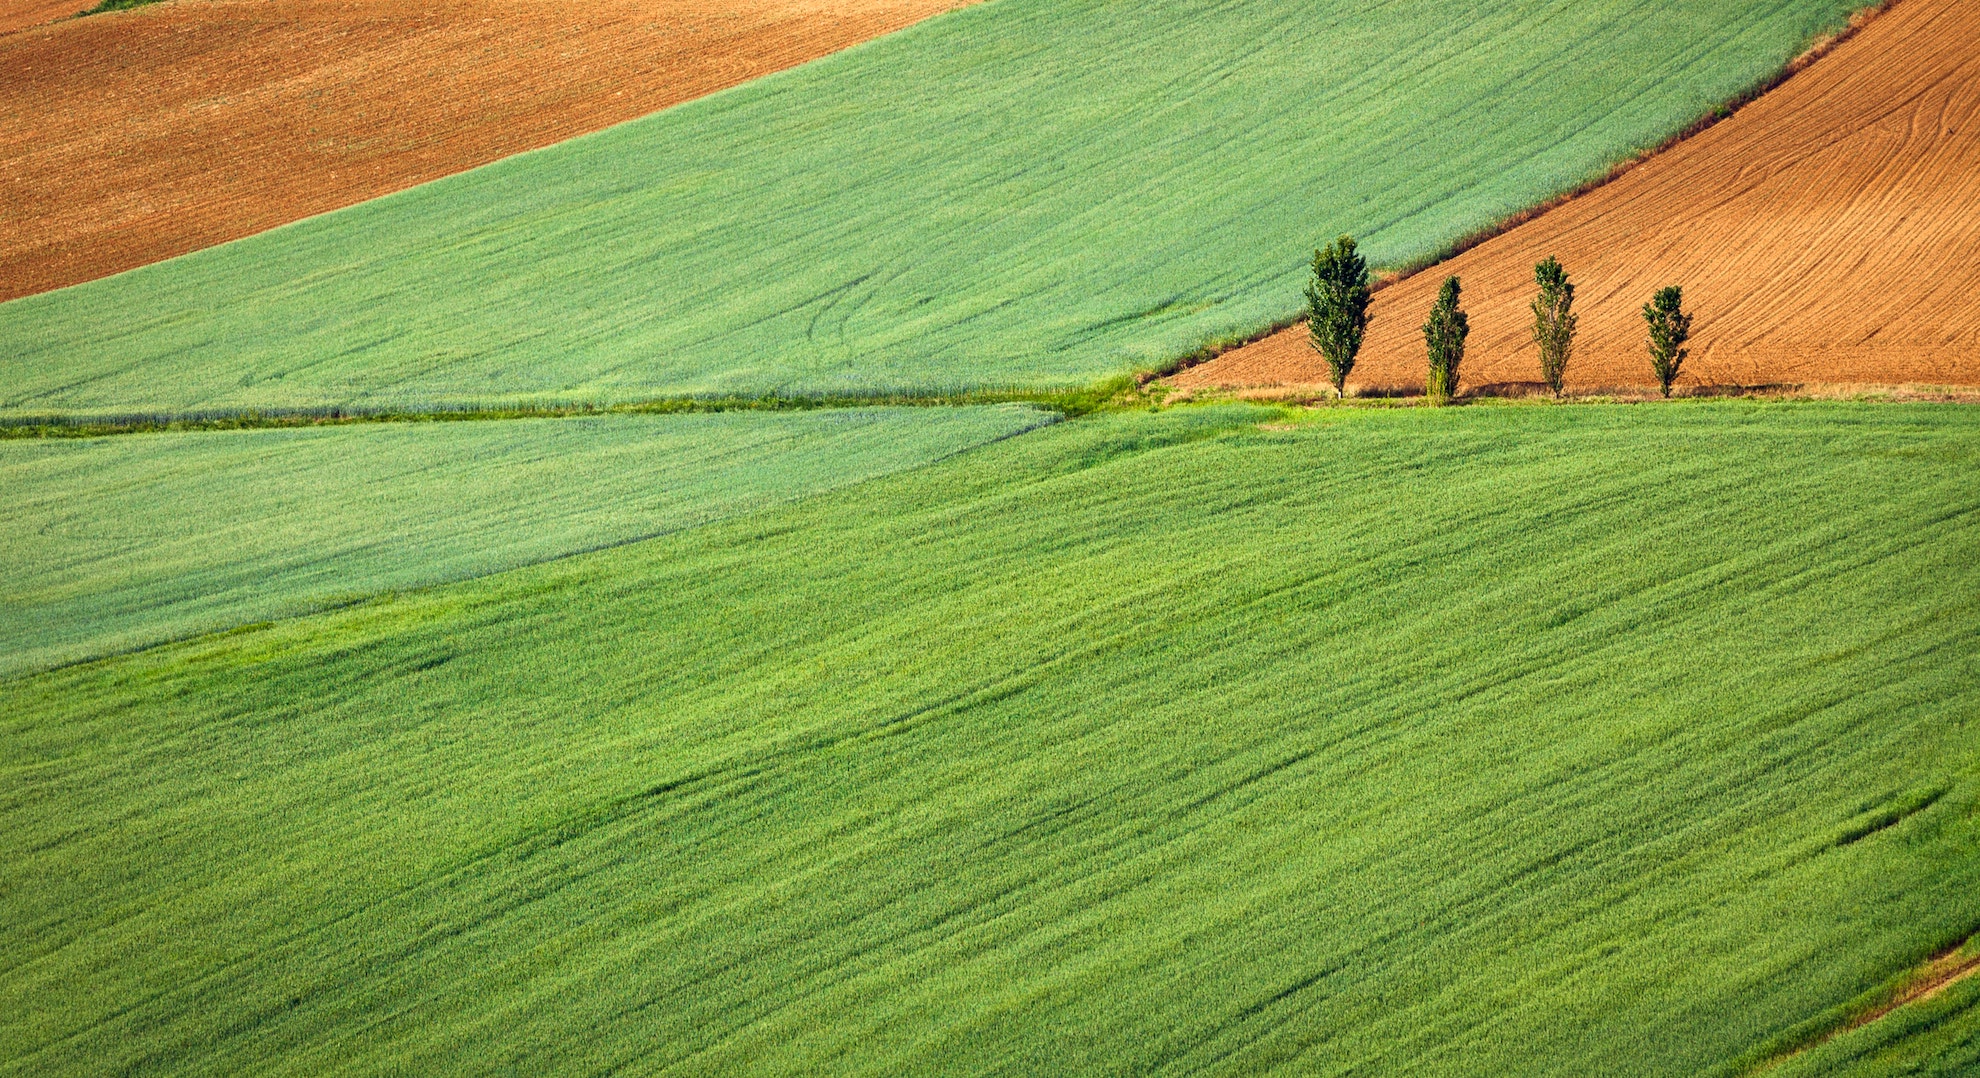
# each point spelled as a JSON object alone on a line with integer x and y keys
{"x": 116, "y": 5}
{"x": 113, "y": 543}
{"x": 1594, "y": 740}
{"x": 1025, "y": 193}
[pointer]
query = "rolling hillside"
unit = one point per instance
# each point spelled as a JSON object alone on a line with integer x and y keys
{"x": 132, "y": 137}
{"x": 901, "y": 731}
{"x": 1828, "y": 232}
{"x": 1027, "y": 192}
{"x": 1484, "y": 741}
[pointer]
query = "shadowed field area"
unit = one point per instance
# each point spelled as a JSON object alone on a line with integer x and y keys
{"x": 1466, "y": 741}
{"x": 1827, "y": 233}
{"x": 131, "y": 137}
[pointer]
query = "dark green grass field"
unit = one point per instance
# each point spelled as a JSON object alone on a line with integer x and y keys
{"x": 107, "y": 544}
{"x": 1032, "y": 193}
{"x": 1490, "y": 740}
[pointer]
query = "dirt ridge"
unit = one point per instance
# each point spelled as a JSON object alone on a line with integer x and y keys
{"x": 1936, "y": 976}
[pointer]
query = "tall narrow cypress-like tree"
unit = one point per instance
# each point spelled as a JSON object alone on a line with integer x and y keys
{"x": 1670, "y": 327}
{"x": 1444, "y": 335}
{"x": 1553, "y": 321}
{"x": 1337, "y": 307}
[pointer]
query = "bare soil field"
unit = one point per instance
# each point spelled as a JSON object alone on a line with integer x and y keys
{"x": 21, "y": 14}
{"x": 130, "y": 137}
{"x": 1828, "y": 232}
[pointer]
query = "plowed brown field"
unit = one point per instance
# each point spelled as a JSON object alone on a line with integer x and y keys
{"x": 135, "y": 136}
{"x": 21, "y": 14}
{"x": 1829, "y": 232}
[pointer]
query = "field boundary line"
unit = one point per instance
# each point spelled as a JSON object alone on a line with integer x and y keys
{"x": 1127, "y": 391}
{"x": 1069, "y": 402}
{"x": 1930, "y": 979}
{"x": 1535, "y": 394}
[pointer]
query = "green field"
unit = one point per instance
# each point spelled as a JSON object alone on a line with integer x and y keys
{"x": 1023, "y": 193}
{"x": 112, "y": 543}
{"x": 1938, "y": 1037}
{"x": 1490, "y": 740}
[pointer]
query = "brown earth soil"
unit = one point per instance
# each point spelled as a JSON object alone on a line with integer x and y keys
{"x": 134, "y": 136}
{"x": 21, "y": 14}
{"x": 1829, "y": 232}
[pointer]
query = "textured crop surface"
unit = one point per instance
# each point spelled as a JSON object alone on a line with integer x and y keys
{"x": 1828, "y": 232}
{"x": 112, "y": 543}
{"x": 1024, "y": 192}
{"x": 1457, "y": 741}
{"x": 131, "y": 137}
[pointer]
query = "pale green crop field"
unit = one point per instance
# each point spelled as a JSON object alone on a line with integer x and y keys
{"x": 1475, "y": 741}
{"x": 1025, "y": 193}
{"x": 108, "y": 544}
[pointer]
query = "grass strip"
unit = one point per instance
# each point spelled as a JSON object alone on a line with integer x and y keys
{"x": 115, "y": 5}
{"x": 1071, "y": 403}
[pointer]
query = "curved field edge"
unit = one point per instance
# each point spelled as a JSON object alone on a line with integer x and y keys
{"x": 113, "y": 544}
{"x": 1468, "y": 741}
{"x": 1824, "y": 235}
{"x": 128, "y": 140}
{"x": 1094, "y": 190}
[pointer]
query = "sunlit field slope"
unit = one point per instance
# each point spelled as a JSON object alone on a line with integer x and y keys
{"x": 1600, "y": 740}
{"x": 112, "y": 543}
{"x": 1027, "y": 192}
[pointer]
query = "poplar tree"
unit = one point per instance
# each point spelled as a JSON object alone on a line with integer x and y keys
{"x": 1553, "y": 321}
{"x": 1444, "y": 335}
{"x": 1337, "y": 307}
{"x": 1670, "y": 327}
